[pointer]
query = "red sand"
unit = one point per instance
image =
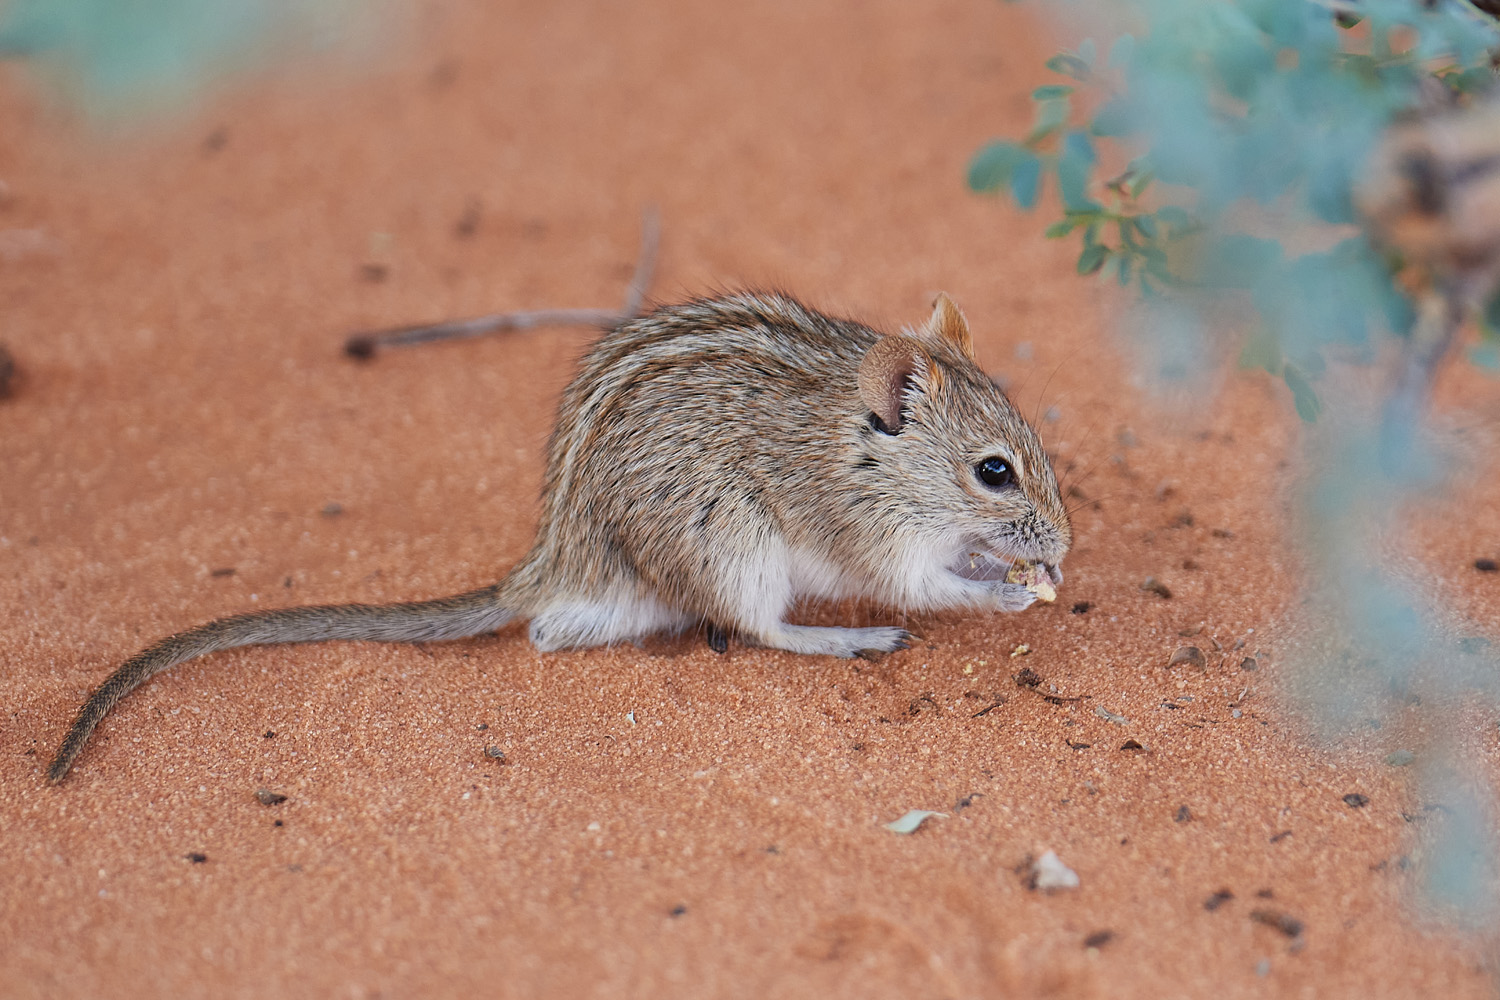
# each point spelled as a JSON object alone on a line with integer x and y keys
{"x": 185, "y": 409}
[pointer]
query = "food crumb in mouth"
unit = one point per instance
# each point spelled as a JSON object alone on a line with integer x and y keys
{"x": 1034, "y": 578}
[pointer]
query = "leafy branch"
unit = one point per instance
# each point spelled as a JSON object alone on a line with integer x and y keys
{"x": 1251, "y": 122}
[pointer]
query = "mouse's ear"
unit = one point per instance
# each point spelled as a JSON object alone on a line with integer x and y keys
{"x": 948, "y": 325}
{"x": 886, "y": 373}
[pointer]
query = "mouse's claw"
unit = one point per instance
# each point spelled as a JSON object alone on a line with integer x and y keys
{"x": 903, "y": 640}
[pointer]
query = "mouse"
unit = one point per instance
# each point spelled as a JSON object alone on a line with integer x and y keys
{"x": 716, "y": 462}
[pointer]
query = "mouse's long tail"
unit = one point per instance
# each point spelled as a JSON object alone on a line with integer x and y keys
{"x": 445, "y": 618}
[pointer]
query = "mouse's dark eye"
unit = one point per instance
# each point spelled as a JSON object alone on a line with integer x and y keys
{"x": 995, "y": 473}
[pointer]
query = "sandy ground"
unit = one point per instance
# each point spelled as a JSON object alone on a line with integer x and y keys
{"x": 665, "y": 821}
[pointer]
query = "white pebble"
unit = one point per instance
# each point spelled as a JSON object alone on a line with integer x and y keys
{"x": 1050, "y": 873}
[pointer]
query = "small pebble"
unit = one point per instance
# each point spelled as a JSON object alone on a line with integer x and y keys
{"x": 1049, "y": 873}
{"x": 1263, "y": 968}
{"x": 1354, "y": 800}
{"x": 1283, "y": 922}
{"x": 1155, "y": 586}
{"x": 911, "y": 821}
{"x": 1400, "y": 758}
{"x": 268, "y": 797}
{"x": 1189, "y": 655}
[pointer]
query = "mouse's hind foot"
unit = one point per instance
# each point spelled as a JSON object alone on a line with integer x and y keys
{"x": 829, "y": 641}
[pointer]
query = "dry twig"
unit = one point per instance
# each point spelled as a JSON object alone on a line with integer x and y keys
{"x": 364, "y": 345}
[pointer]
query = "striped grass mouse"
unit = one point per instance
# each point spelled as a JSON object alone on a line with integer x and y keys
{"x": 713, "y": 463}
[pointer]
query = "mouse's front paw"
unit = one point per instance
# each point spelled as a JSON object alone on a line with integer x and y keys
{"x": 1013, "y": 597}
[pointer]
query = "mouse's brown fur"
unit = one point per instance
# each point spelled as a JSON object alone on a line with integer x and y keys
{"x": 714, "y": 462}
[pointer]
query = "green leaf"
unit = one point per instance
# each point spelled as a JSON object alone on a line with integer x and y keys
{"x": 991, "y": 167}
{"x": 1058, "y": 229}
{"x": 1470, "y": 81}
{"x": 1156, "y": 266}
{"x": 1092, "y": 258}
{"x": 1124, "y": 274}
{"x": 1306, "y": 400}
{"x": 1051, "y": 115}
{"x": 1330, "y": 181}
{"x": 1051, "y": 92}
{"x": 1076, "y": 143}
{"x": 1026, "y": 180}
{"x": 1114, "y": 118}
{"x": 1139, "y": 181}
{"x": 1485, "y": 356}
{"x": 1067, "y": 64}
{"x": 1088, "y": 51}
{"x": 1241, "y": 59}
{"x": 1146, "y": 224}
{"x": 1073, "y": 169}
{"x": 1489, "y": 320}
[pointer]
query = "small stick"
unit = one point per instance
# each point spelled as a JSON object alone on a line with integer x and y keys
{"x": 364, "y": 345}
{"x": 645, "y": 264}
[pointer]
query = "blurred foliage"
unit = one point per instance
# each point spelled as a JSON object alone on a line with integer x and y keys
{"x": 1239, "y": 131}
{"x": 114, "y": 57}
{"x": 1249, "y": 121}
